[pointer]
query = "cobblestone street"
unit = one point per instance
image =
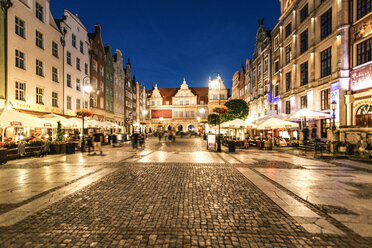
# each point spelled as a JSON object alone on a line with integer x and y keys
{"x": 181, "y": 195}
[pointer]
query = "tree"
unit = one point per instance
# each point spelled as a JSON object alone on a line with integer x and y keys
{"x": 59, "y": 136}
{"x": 238, "y": 109}
{"x": 212, "y": 119}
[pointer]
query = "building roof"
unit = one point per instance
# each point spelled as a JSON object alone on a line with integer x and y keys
{"x": 168, "y": 93}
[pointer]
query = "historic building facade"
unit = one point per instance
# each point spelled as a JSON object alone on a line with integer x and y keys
{"x": 258, "y": 75}
{"x": 109, "y": 84}
{"x": 313, "y": 58}
{"x": 359, "y": 98}
{"x": 75, "y": 49}
{"x": 35, "y": 64}
{"x": 130, "y": 99}
{"x": 97, "y": 74}
{"x": 3, "y": 52}
{"x": 181, "y": 109}
{"x": 119, "y": 81}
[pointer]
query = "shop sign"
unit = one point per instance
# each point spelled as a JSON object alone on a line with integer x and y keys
{"x": 22, "y": 105}
{"x": 361, "y": 78}
{"x": 47, "y": 125}
{"x": 335, "y": 97}
{"x": 16, "y": 123}
{"x": 362, "y": 29}
{"x": 211, "y": 141}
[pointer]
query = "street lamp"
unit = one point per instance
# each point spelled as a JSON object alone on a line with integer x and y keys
{"x": 333, "y": 107}
{"x": 86, "y": 88}
{"x": 217, "y": 83}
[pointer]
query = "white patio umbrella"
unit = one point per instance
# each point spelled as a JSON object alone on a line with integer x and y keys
{"x": 237, "y": 123}
{"x": 75, "y": 122}
{"x": 55, "y": 118}
{"x": 275, "y": 123}
{"x": 304, "y": 114}
{"x": 13, "y": 118}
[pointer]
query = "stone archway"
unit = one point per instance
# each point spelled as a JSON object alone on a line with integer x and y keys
{"x": 190, "y": 128}
{"x": 180, "y": 128}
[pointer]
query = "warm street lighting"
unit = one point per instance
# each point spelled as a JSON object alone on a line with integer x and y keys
{"x": 144, "y": 112}
{"x": 161, "y": 119}
{"x": 333, "y": 107}
{"x": 87, "y": 88}
{"x": 216, "y": 84}
{"x": 198, "y": 118}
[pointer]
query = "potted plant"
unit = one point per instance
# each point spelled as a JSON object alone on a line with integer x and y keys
{"x": 58, "y": 146}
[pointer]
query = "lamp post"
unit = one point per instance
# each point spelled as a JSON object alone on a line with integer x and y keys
{"x": 86, "y": 88}
{"x": 214, "y": 83}
{"x": 333, "y": 107}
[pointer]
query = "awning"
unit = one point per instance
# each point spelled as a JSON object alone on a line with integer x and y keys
{"x": 55, "y": 118}
{"x": 238, "y": 123}
{"x": 13, "y": 118}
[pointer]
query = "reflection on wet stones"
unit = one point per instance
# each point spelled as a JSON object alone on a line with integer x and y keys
{"x": 330, "y": 209}
{"x": 262, "y": 163}
{"x": 364, "y": 190}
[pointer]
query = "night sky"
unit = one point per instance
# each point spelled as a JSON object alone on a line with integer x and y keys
{"x": 167, "y": 40}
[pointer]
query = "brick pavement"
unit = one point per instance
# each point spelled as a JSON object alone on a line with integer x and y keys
{"x": 168, "y": 205}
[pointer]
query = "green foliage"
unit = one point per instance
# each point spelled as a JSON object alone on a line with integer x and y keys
{"x": 212, "y": 119}
{"x": 238, "y": 109}
{"x": 59, "y": 136}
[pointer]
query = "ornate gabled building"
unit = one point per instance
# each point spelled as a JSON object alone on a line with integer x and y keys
{"x": 182, "y": 108}
{"x": 97, "y": 74}
{"x": 119, "y": 81}
{"x": 258, "y": 75}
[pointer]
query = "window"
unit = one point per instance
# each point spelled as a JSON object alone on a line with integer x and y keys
{"x": 39, "y": 95}
{"x": 102, "y": 72}
{"x": 39, "y": 68}
{"x": 304, "y": 13}
{"x": 325, "y": 99}
{"x": 78, "y": 64}
{"x": 175, "y": 113}
{"x": 69, "y": 104}
{"x": 86, "y": 69}
{"x": 20, "y": 59}
{"x": 68, "y": 59}
{"x": 181, "y": 102}
{"x": 78, "y": 84}
{"x": 276, "y": 42}
{"x": 39, "y": 12}
{"x": 276, "y": 66}
{"x": 73, "y": 40}
{"x": 288, "y": 107}
{"x": 288, "y": 78}
{"x": 304, "y": 73}
{"x": 187, "y": 114}
{"x": 94, "y": 65}
{"x": 192, "y": 113}
{"x": 326, "y": 24}
{"x": 326, "y": 67}
{"x": 20, "y": 91}
{"x": 364, "y": 52}
{"x": 266, "y": 65}
{"x": 215, "y": 97}
{"x": 288, "y": 29}
{"x": 55, "y": 99}
{"x": 181, "y": 114}
{"x": 55, "y": 74}
{"x": 259, "y": 70}
{"x": 363, "y": 8}
{"x": 304, "y": 41}
{"x": 304, "y": 102}
{"x": 81, "y": 47}
{"x": 39, "y": 39}
{"x": 288, "y": 54}
{"x": 153, "y": 103}
{"x": 69, "y": 81}
{"x": 187, "y": 102}
{"x": 20, "y": 27}
{"x": 54, "y": 49}
{"x": 276, "y": 90}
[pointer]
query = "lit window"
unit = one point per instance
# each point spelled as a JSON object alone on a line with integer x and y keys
{"x": 69, "y": 103}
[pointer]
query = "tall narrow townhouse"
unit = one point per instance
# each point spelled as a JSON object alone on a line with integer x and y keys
{"x": 258, "y": 76}
{"x": 35, "y": 58}
{"x": 359, "y": 98}
{"x": 109, "y": 84}
{"x": 75, "y": 47}
{"x": 235, "y": 85}
{"x": 128, "y": 97}
{"x": 3, "y": 53}
{"x": 275, "y": 71}
{"x": 97, "y": 74}
{"x": 119, "y": 76}
{"x": 133, "y": 88}
{"x": 314, "y": 58}
{"x": 141, "y": 102}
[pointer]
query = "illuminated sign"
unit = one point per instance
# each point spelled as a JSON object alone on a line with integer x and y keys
{"x": 275, "y": 99}
{"x": 335, "y": 97}
{"x": 361, "y": 78}
{"x": 16, "y": 123}
{"x": 47, "y": 125}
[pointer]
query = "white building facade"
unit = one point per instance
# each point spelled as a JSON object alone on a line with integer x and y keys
{"x": 76, "y": 63}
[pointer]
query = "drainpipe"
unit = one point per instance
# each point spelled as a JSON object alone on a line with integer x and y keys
{"x": 5, "y": 5}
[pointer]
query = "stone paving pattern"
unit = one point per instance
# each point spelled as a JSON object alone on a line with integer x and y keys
{"x": 169, "y": 205}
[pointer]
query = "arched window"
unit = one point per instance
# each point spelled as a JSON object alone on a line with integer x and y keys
{"x": 364, "y": 115}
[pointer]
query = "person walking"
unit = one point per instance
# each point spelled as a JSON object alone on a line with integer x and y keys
{"x": 159, "y": 136}
{"x": 90, "y": 142}
{"x": 134, "y": 139}
{"x": 97, "y": 141}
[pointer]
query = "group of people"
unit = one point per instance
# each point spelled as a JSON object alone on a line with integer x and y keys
{"x": 167, "y": 136}
{"x": 138, "y": 140}
{"x": 95, "y": 141}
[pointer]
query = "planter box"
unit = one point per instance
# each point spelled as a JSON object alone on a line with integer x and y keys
{"x": 12, "y": 153}
{"x": 3, "y": 156}
{"x": 57, "y": 148}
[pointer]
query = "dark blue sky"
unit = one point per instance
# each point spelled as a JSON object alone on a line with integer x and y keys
{"x": 167, "y": 40}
